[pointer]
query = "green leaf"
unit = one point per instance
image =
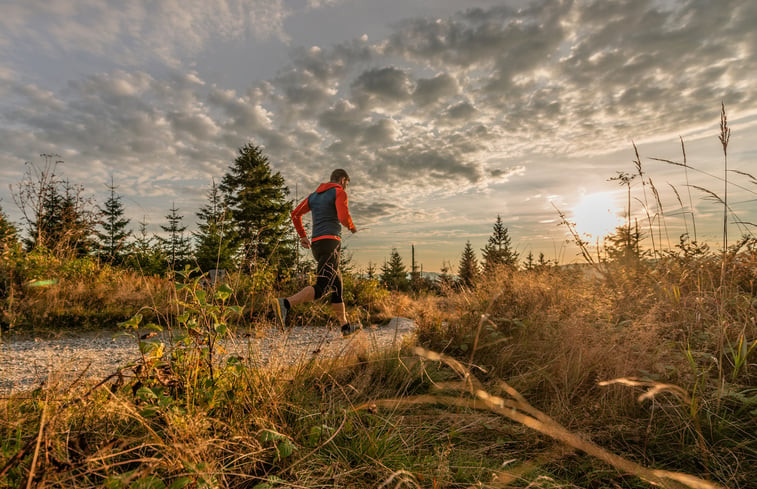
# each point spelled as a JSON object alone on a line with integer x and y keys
{"x": 153, "y": 327}
{"x": 284, "y": 449}
{"x": 180, "y": 483}
{"x": 113, "y": 483}
{"x": 272, "y": 482}
{"x": 265, "y": 436}
{"x": 151, "y": 348}
{"x": 149, "y": 412}
{"x": 202, "y": 297}
{"x": 223, "y": 292}
{"x": 149, "y": 482}
{"x": 220, "y": 328}
{"x": 318, "y": 433}
{"x": 132, "y": 323}
{"x": 146, "y": 393}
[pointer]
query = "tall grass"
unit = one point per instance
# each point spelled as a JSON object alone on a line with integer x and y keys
{"x": 185, "y": 416}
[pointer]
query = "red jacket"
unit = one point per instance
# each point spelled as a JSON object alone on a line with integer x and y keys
{"x": 330, "y": 209}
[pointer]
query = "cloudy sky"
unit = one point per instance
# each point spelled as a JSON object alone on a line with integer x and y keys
{"x": 446, "y": 113}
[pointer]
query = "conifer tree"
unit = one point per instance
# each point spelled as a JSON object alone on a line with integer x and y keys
{"x": 257, "y": 199}
{"x": 146, "y": 255}
{"x": 215, "y": 238}
{"x": 113, "y": 240}
{"x": 69, "y": 219}
{"x": 468, "y": 270}
{"x": 445, "y": 278}
{"x": 394, "y": 273}
{"x": 498, "y": 251}
{"x": 176, "y": 246}
{"x": 542, "y": 262}
{"x": 529, "y": 262}
{"x": 7, "y": 229}
{"x": 625, "y": 245}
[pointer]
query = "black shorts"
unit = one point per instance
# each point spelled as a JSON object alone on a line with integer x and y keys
{"x": 329, "y": 278}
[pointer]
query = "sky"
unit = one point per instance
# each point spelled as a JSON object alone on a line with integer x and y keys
{"x": 446, "y": 113}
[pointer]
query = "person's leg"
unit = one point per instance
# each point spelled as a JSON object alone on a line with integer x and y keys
{"x": 307, "y": 294}
{"x": 339, "y": 312}
{"x": 337, "y": 302}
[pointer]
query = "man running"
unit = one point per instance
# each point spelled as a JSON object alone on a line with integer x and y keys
{"x": 330, "y": 212}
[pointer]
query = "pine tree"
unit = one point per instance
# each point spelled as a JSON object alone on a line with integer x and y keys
{"x": 529, "y": 262}
{"x": 445, "y": 278}
{"x": 498, "y": 251}
{"x": 468, "y": 270}
{"x": 215, "y": 239}
{"x": 69, "y": 220}
{"x": 55, "y": 213}
{"x": 176, "y": 246}
{"x": 370, "y": 272}
{"x": 7, "y": 229}
{"x": 145, "y": 255}
{"x": 625, "y": 245}
{"x": 113, "y": 244}
{"x": 257, "y": 200}
{"x": 542, "y": 262}
{"x": 394, "y": 273}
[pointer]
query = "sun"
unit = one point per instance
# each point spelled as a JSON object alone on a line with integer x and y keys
{"x": 596, "y": 215}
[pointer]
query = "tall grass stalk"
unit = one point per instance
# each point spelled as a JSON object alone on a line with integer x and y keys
{"x": 518, "y": 409}
{"x": 684, "y": 212}
{"x": 724, "y": 137}
{"x": 640, "y": 171}
{"x": 660, "y": 215}
{"x": 688, "y": 189}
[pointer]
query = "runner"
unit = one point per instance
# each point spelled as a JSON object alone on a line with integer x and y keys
{"x": 330, "y": 212}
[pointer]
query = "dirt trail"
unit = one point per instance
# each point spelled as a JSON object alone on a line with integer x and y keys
{"x": 27, "y": 362}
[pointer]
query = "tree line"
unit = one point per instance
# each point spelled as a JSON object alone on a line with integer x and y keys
{"x": 498, "y": 254}
{"x": 244, "y": 221}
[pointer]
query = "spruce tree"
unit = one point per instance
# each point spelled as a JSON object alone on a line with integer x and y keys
{"x": 445, "y": 278}
{"x": 394, "y": 273}
{"x": 7, "y": 230}
{"x": 370, "y": 272}
{"x": 32, "y": 196}
{"x": 498, "y": 251}
{"x": 176, "y": 246}
{"x": 257, "y": 199}
{"x": 71, "y": 220}
{"x": 529, "y": 262}
{"x": 113, "y": 244}
{"x": 625, "y": 245}
{"x": 468, "y": 270}
{"x": 215, "y": 238}
{"x": 146, "y": 255}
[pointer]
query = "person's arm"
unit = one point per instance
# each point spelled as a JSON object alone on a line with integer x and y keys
{"x": 297, "y": 214}
{"x": 343, "y": 211}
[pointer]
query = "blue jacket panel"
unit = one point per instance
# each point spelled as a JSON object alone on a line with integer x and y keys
{"x": 325, "y": 217}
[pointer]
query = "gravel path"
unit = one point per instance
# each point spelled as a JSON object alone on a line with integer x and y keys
{"x": 27, "y": 362}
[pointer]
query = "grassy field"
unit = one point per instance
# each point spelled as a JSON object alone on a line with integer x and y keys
{"x": 633, "y": 375}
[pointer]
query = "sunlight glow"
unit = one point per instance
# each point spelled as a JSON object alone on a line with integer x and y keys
{"x": 596, "y": 215}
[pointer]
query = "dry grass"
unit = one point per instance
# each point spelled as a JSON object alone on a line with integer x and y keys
{"x": 403, "y": 420}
